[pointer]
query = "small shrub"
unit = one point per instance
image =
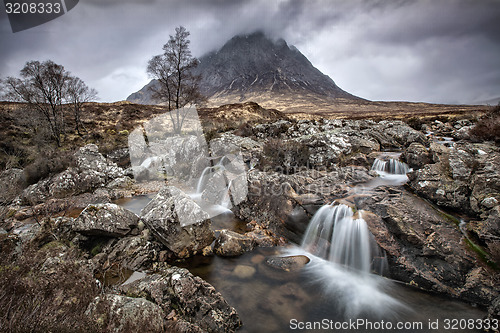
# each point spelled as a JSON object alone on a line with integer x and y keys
{"x": 47, "y": 164}
{"x": 488, "y": 127}
{"x": 285, "y": 156}
{"x": 245, "y": 129}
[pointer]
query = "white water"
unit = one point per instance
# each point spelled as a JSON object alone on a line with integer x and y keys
{"x": 343, "y": 253}
{"x": 391, "y": 166}
{"x": 355, "y": 294}
{"x": 203, "y": 178}
{"x": 335, "y": 235}
{"x": 227, "y": 198}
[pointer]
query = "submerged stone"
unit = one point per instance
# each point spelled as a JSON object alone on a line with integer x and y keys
{"x": 230, "y": 244}
{"x": 244, "y": 271}
{"x": 288, "y": 264}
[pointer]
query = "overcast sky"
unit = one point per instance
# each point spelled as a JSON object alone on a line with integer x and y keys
{"x": 444, "y": 51}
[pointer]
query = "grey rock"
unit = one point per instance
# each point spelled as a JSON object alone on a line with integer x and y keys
{"x": 105, "y": 220}
{"x": 116, "y": 313}
{"x": 396, "y": 134}
{"x": 272, "y": 130}
{"x": 120, "y": 183}
{"x": 194, "y": 300}
{"x": 178, "y": 222}
{"x": 36, "y": 193}
{"x": 435, "y": 183}
{"x": 92, "y": 171}
{"x": 416, "y": 156}
{"x": 288, "y": 264}
{"x": 136, "y": 253}
{"x": 120, "y": 156}
{"x": 325, "y": 148}
{"x": 423, "y": 247}
{"x": 489, "y": 202}
{"x": 89, "y": 158}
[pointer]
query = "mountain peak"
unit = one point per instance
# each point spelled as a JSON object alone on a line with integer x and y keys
{"x": 256, "y": 67}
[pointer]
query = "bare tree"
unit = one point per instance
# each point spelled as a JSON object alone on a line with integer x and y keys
{"x": 42, "y": 86}
{"x": 173, "y": 70}
{"x": 46, "y": 87}
{"x": 79, "y": 93}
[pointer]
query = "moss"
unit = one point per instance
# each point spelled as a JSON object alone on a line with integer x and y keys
{"x": 482, "y": 254}
{"x": 53, "y": 245}
{"x": 11, "y": 213}
{"x": 96, "y": 249}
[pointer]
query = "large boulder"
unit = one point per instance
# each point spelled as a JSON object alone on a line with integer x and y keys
{"x": 135, "y": 253}
{"x": 400, "y": 134}
{"x": 325, "y": 148}
{"x": 465, "y": 178}
{"x": 435, "y": 183}
{"x": 485, "y": 181}
{"x": 416, "y": 156}
{"x": 178, "y": 222}
{"x": 116, "y": 313}
{"x": 105, "y": 220}
{"x": 89, "y": 158}
{"x": 191, "y": 298}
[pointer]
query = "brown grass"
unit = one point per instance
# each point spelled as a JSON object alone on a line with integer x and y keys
{"x": 42, "y": 291}
{"x": 488, "y": 127}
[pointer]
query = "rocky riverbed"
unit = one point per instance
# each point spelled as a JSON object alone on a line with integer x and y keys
{"x": 440, "y": 231}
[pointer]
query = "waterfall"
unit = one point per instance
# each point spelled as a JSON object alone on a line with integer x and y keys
{"x": 334, "y": 234}
{"x": 391, "y": 166}
{"x": 201, "y": 181}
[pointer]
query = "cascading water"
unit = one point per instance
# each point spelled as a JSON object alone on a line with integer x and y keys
{"x": 203, "y": 178}
{"x": 206, "y": 174}
{"x": 334, "y": 234}
{"x": 345, "y": 253}
{"x": 391, "y": 166}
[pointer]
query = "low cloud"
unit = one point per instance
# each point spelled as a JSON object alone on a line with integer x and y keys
{"x": 434, "y": 51}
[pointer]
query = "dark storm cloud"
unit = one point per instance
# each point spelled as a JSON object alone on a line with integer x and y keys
{"x": 438, "y": 51}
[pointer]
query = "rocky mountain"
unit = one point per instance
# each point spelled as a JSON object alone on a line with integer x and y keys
{"x": 256, "y": 68}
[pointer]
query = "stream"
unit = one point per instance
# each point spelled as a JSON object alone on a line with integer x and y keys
{"x": 322, "y": 295}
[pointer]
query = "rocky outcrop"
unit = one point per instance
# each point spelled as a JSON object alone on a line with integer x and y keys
{"x": 105, "y": 220}
{"x": 188, "y": 297}
{"x": 178, "y": 222}
{"x": 116, "y": 313}
{"x": 465, "y": 177}
{"x": 285, "y": 203}
{"x": 91, "y": 172}
{"x": 425, "y": 248}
